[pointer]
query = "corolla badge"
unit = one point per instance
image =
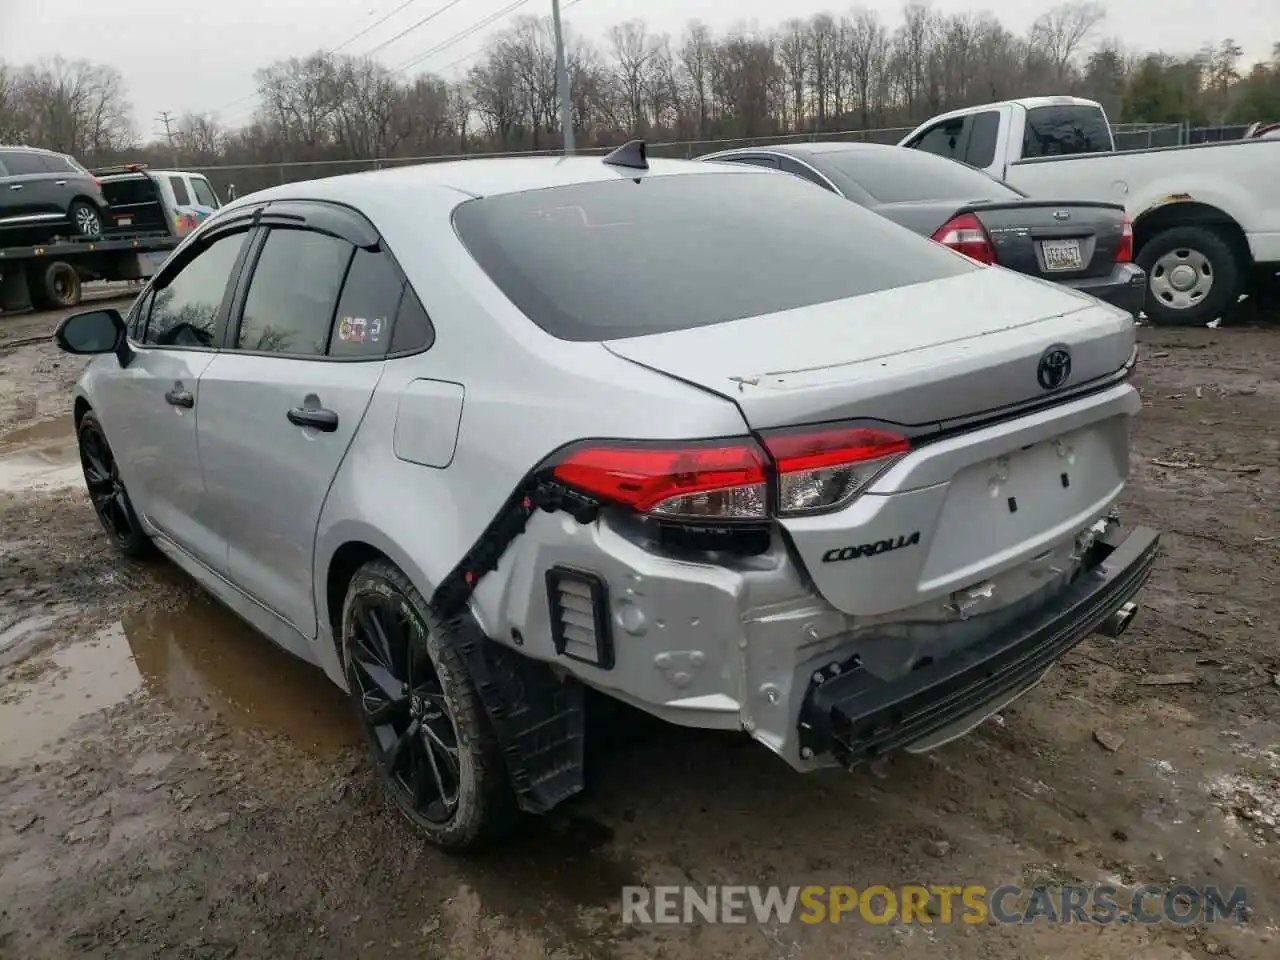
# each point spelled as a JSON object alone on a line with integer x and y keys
{"x": 1055, "y": 367}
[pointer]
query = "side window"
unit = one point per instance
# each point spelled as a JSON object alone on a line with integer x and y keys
{"x": 204, "y": 192}
{"x": 293, "y": 293}
{"x": 413, "y": 331}
{"x": 21, "y": 163}
{"x": 185, "y": 310}
{"x": 180, "y": 195}
{"x": 756, "y": 161}
{"x": 56, "y": 164}
{"x": 981, "y": 151}
{"x": 367, "y": 307}
{"x": 138, "y": 315}
{"x": 800, "y": 170}
{"x": 945, "y": 139}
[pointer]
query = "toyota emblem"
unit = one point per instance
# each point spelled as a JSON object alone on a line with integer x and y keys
{"x": 1055, "y": 367}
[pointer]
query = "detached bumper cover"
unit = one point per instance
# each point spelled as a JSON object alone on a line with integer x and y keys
{"x": 857, "y": 716}
{"x": 1125, "y": 287}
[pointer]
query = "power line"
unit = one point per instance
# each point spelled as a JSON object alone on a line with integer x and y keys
{"x": 377, "y": 23}
{"x": 425, "y": 20}
{"x": 483, "y": 47}
{"x": 461, "y": 35}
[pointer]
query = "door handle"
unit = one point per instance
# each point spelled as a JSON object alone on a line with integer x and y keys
{"x": 59, "y": 183}
{"x": 180, "y": 398}
{"x": 15, "y": 186}
{"x": 326, "y": 421}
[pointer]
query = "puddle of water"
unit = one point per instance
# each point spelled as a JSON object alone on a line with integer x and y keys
{"x": 203, "y": 653}
{"x": 41, "y": 455}
{"x": 83, "y": 678}
{"x": 200, "y": 655}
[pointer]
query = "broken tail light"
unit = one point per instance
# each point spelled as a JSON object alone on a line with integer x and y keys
{"x": 796, "y": 472}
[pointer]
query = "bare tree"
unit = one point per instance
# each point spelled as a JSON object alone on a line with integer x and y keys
{"x": 1061, "y": 33}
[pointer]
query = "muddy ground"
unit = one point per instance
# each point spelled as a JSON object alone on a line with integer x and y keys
{"x": 172, "y": 787}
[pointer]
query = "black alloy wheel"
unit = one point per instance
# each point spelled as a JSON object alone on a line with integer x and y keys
{"x": 419, "y": 711}
{"x": 107, "y": 491}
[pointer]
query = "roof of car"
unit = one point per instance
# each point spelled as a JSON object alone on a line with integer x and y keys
{"x": 809, "y": 148}
{"x": 18, "y": 146}
{"x": 484, "y": 177}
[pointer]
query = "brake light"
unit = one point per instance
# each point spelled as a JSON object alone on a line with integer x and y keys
{"x": 965, "y": 234}
{"x": 811, "y": 470}
{"x": 824, "y": 469}
{"x": 1125, "y": 252}
{"x": 720, "y": 480}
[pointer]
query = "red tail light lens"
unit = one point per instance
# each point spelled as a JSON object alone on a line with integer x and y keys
{"x": 965, "y": 234}
{"x": 821, "y": 470}
{"x": 815, "y": 470}
{"x": 712, "y": 481}
{"x": 1125, "y": 253}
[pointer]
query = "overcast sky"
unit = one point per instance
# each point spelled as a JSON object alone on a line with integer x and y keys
{"x": 200, "y": 55}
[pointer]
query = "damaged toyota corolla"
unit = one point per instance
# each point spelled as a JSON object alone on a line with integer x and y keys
{"x": 473, "y": 437}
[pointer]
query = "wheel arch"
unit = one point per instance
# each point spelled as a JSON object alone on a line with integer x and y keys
{"x": 78, "y": 410}
{"x": 343, "y": 564}
{"x": 1180, "y": 213}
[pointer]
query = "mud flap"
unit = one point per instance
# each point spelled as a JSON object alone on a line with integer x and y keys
{"x": 537, "y": 717}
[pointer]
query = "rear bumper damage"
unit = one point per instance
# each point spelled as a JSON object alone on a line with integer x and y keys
{"x": 854, "y": 717}
{"x": 1125, "y": 287}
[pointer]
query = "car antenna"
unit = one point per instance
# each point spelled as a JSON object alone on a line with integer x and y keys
{"x": 631, "y": 154}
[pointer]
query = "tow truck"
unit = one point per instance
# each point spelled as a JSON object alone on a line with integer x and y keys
{"x": 150, "y": 219}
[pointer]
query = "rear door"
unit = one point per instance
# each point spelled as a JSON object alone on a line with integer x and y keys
{"x": 30, "y": 196}
{"x": 282, "y": 402}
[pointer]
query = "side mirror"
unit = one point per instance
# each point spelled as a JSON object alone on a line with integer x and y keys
{"x": 97, "y": 331}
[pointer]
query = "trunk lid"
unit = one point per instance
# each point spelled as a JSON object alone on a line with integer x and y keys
{"x": 1056, "y": 240}
{"x": 915, "y": 355}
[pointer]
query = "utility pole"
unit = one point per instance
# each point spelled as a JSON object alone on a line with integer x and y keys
{"x": 167, "y": 119}
{"x": 562, "y": 81}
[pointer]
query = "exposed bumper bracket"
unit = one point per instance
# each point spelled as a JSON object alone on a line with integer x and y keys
{"x": 856, "y": 716}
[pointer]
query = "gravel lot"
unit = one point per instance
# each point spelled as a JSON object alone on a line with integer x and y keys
{"x": 172, "y": 787}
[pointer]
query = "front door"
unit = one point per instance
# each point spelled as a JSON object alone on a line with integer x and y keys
{"x": 281, "y": 404}
{"x": 153, "y": 405}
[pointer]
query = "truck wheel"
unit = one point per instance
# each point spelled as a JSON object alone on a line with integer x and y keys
{"x": 85, "y": 218}
{"x": 54, "y": 285}
{"x": 1193, "y": 275}
{"x": 428, "y": 732}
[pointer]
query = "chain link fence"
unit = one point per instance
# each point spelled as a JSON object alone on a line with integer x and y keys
{"x": 249, "y": 178}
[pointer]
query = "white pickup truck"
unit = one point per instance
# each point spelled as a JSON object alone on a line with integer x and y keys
{"x": 1206, "y": 218}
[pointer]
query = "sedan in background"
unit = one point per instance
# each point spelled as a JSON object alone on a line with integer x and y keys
{"x": 1083, "y": 244}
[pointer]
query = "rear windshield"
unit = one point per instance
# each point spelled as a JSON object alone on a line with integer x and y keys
{"x": 894, "y": 175}
{"x": 129, "y": 190}
{"x": 620, "y": 258}
{"x": 1063, "y": 129}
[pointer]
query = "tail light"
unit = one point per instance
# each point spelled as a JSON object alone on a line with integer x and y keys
{"x": 965, "y": 234}
{"x": 794, "y": 473}
{"x": 1125, "y": 252}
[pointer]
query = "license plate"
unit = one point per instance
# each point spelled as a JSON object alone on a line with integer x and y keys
{"x": 1062, "y": 255}
{"x": 125, "y": 221}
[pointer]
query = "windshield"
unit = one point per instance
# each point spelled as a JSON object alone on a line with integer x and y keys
{"x": 900, "y": 175}
{"x": 624, "y": 258}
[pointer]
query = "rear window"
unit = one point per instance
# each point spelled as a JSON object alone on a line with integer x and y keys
{"x": 180, "y": 195}
{"x": 128, "y": 190}
{"x": 58, "y": 164}
{"x": 621, "y": 258}
{"x": 900, "y": 175}
{"x": 1062, "y": 130}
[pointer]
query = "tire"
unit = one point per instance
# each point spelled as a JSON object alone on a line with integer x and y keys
{"x": 54, "y": 286}
{"x": 107, "y": 491}
{"x": 381, "y": 602}
{"x": 1207, "y": 261}
{"x": 86, "y": 220}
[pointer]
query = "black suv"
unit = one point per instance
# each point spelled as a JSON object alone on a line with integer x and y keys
{"x": 45, "y": 194}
